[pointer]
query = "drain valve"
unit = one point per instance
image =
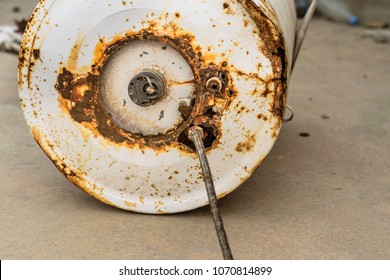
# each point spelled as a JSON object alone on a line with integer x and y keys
{"x": 147, "y": 87}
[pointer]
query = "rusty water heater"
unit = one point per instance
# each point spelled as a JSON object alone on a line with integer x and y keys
{"x": 110, "y": 89}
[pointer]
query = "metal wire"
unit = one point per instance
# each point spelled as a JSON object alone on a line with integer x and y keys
{"x": 196, "y": 135}
{"x": 301, "y": 32}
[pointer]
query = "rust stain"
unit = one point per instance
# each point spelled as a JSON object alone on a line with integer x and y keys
{"x": 254, "y": 76}
{"x": 28, "y": 56}
{"x": 227, "y": 8}
{"x": 36, "y": 54}
{"x": 222, "y": 195}
{"x": 131, "y": 204}
{"x": 253, "y": 170}
{"x": 158, "y": 204}
{"x": 275, "y": 49}
{"x": 262, "y": 117}
{"x": 247, "y": 145}
{"x": 37, "y": 134}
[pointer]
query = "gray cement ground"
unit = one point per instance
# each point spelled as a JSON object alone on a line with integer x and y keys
{"x": 322, "y": 197}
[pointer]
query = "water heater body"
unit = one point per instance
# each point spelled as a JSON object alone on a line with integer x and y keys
{"x": 109, "y": 90}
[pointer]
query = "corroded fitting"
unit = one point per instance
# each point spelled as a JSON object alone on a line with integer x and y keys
{"x": 195, "y": 130}
{"x": 214, "y": 85}
{"x": 146, "y": 88}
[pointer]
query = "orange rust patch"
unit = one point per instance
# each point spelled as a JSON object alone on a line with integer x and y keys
{"x": 222, "y": 195}
{"x": 227, "y": 9}
{"x": 36, "y": 134}
{"x": 131, "y": 204}
{"x": 79, "y": 91}
{"x": 247, "y": 145}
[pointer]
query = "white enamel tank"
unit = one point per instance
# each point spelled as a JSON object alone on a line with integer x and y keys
{"x": 110, "y": 88}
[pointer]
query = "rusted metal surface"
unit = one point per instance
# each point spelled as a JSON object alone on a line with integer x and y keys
{"x": 239, "y": 61}
{"x": 79, "y": 98}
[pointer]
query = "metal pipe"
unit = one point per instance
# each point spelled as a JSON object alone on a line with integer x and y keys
{"x": 301, "y": 32}
{"x": 195, "y": 134}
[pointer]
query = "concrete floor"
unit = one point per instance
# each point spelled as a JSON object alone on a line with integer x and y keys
{"x": 326, "y": 196}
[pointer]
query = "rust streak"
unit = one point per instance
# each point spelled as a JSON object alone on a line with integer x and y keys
{"x": 274, "y": 49}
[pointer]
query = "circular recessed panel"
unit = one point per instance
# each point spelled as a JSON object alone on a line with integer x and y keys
{"x": 207, "y": 65}
{"x": 124, "y": 84}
